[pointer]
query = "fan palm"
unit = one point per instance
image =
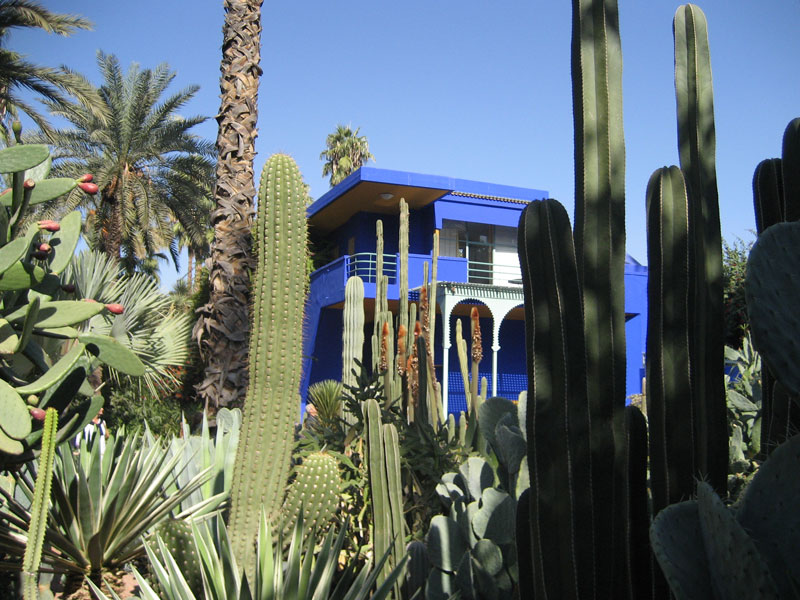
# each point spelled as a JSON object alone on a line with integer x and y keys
{"x": 345, "y": 152}
{"x": 150, "y": 169}
{"x": 155, "y": 331}
{"x": 16, "y": 73}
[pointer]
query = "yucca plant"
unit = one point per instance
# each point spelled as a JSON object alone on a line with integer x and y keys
{"x": 305, "y": 573}
{"x": 102, "y": 503}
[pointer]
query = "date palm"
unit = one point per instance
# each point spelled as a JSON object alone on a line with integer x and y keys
{"x": 150, "y": 169}
{"x": 345, "y": 152}
{"x": 16, "y": 73}
{"x": 223, "y": 324}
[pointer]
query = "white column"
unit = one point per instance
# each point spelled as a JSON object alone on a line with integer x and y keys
{"x": 445, "y": 302}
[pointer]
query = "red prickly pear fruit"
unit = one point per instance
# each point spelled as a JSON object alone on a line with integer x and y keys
{"x": 86, "y": 178}
{"x": 116, "y": 309}
{"x": 89, "y": 188}
{"x": 49, "y": 225}
{"x": 45, "y": 247}
{"x": 38, "y": 414}
{"x": 28, "y": 184}
{"x": 39, "y": 255}
{"x": 68, "y": 287}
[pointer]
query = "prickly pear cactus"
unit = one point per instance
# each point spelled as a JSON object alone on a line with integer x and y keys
{"x": 772, "y": 287}
{"x": 314, "y": 490}
{"x": 471, "y": 549}
{"x": 32, "y": 260}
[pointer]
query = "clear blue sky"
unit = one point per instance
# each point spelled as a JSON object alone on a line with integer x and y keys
{"x": 465, "y": 88}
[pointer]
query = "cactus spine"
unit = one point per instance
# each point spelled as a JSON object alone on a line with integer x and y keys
{"x": 39, "y": 508}
{"x": 270, "y": 410}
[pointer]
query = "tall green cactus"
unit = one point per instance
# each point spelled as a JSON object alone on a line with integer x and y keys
{"x": 697, "y": 146}
{"x": 669, "y": 400}
{"x": 276, "y": 345}
{"x": 383, "y": 458}
{"x": 352, "y": 333}
{"x": 558, "y": 425}
{"x": 600, "y": 251}
{"x": 39, "y": 508}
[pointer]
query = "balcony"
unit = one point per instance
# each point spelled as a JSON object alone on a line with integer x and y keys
{"x": 450, "y": 268}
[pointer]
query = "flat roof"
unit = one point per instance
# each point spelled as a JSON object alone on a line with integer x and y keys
{"x": 379, "y": 191}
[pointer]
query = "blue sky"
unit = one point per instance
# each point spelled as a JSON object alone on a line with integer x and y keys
{"x": 467, "y": 88}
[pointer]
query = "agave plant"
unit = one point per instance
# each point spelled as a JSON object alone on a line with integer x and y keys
{"x": 102, "y": 503}
{"x": 303, "y": 574}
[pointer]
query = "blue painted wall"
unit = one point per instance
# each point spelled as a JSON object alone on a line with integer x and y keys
{"x": 323, "y": 328}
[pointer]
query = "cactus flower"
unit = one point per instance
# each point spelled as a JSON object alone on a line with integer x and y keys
{"x": 116, "y": 309}
{"x": 49, "y": 225}
{"x": 89, "y": 188}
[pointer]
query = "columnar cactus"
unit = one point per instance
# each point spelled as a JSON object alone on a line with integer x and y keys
{"x": 352, "y": 332}
{"x": 39, "y": 508}
{"x": 276, "y": 345}
{"x": 383, "y": 458}
{"x": 697, "y": 145}
{"x": 672, "y": 459}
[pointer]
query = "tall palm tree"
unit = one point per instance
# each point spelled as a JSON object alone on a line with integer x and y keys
{"x": 17, "y": 73}
{"x": 150, "y": 169}
{"x": 345, "y": 152}
{"x": 223, "y": 325}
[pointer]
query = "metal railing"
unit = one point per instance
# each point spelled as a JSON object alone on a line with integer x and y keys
{"x": 365, "y": 265}
{"x": 493, "y": 274}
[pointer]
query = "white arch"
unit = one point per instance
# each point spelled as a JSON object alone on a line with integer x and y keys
{"x": 500, "y": 300}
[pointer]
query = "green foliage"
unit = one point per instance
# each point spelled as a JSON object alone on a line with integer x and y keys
{"x": 305, "y": 573}
{"x": 734, "y": 263}
{"x": 345, "y": 152}
{"x": 472, "y": 546}
{"x": 19, "y": 74}
{"x": 42, "y": 358}
{"x": 150, "y": 168}
{"x": 744, "y": 414}
{"x": 102, "y": 502}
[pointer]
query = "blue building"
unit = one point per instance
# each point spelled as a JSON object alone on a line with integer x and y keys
{"x": 478, "y": 266}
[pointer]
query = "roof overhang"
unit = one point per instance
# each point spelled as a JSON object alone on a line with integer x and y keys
{"x": 380, "y": 190}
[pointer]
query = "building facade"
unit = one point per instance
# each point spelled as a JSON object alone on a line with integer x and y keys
{"x": 477, "y": 266}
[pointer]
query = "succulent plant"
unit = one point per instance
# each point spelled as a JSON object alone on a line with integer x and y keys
{"x": 276, "y": 344}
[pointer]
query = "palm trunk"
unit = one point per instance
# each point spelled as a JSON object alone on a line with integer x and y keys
{"x": 190, "y": 270}
{"x": 223, "y": 325}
